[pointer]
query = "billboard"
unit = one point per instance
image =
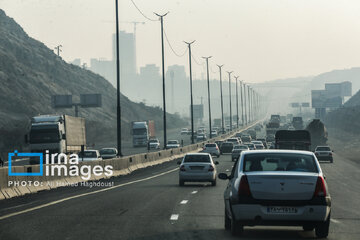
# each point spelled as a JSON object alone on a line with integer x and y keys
{"x": 295, "y": 105}
{"x": 343, "y": 89}
{"x": 198, "y": 111}
{"x": 61, "y": 101}
{"x": 305, "y": 104}
{"x": 323, "y": 99}
{"x": 90, "y": 100}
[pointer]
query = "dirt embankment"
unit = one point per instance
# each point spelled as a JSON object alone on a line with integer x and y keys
{"x": 345, "y": 144}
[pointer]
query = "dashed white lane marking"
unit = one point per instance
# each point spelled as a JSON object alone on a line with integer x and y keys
{"x": 84, "y": 194}
{"x": 227, "y": 170}
{"x": 334, "y": 221}
{"x": 193, "y": 192}
{"x": 174, "y": 217}
{"x": 184, "y": 202}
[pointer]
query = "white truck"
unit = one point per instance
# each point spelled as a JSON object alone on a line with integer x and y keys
{"x": 142, "y": 132}
{"x": 56, "y": 133}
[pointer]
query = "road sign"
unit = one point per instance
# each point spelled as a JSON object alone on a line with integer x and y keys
{"x": 90, "y": 100}
{"x": 305, "y": 104}
{"x": 295, "y": 105}
{"x": 61, "y": 101}
{"x": 198, "y": 111}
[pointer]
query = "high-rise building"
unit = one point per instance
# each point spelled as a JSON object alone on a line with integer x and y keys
{"x": 127, "y": 52}
{"x": 104, "y": 68}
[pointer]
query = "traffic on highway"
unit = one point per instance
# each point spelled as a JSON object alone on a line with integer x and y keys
{"x": 134, "y": 119}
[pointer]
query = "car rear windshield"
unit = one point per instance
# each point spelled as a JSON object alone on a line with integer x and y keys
{"x": 227, "y": 144}
{"x": 210, "y": 145}
{"x": 322, "y": 149}
{"x": 279, "y": 162}
{"x": 107, "y": 151}
{"x": 197, "y": 158}
{"x": 172, "y": 142}
{"x": 232, "y": 140}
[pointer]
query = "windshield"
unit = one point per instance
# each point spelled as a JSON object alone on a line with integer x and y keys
{"x": 197, "y": 158}
{"x": 279, "y": 162}
{"x": 172, "y": 142}
{"x": 142, "y": 131}
{"x": 88, "y": 154}
{"x": 44, "y": 136}
{"x": 323, "y": 149}
{"x": 210, "y": 145}
{"x": 154, "y": 141}
{"x": 107, "y": 151}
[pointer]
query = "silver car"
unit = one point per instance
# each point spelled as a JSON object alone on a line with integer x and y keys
{"x": 324, "y": 153}
{"x": 197, "y": 167}
{"x": 277, "y": 187}
{"x": 235, "y": 154}
{"x": 212, "y": 149}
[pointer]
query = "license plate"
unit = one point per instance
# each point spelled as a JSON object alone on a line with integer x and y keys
{"x": 282, "y": 210}
{"x": 197, "y": 168}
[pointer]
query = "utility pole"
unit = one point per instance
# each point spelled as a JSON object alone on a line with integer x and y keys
{"x": 222, "y": 105}
{"x": 163, "y": 73}
{"x": 249, "y": 100}
{"x": 242, "y": 103}
{"x": 118, "y": 105}
{"x": 230, "y": 99}
{"x": 237, "y": 101}
{"x": 191, "y": 94}
{"x": 246, "y": 119}
{"x": 58, "y": 49}
{"x": 208, "y": 84}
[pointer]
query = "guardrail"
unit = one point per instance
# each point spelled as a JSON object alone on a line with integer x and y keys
{"x": 121, "y": 166}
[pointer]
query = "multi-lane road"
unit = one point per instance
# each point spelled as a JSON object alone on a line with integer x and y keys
{"x": 149, "y": 204}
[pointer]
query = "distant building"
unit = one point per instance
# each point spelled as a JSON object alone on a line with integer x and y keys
{"x": 104, "y": 68}
{"x": 176, "y": 85}
{"x": 127, "y": 51}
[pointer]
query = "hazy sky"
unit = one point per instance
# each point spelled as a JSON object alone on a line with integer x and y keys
{"x": 258, "y": 39}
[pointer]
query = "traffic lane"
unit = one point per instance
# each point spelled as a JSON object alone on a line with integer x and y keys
{"x": 139, "y": 210}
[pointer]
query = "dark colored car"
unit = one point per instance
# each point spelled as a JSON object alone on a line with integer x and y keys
{"x": 226, "y": 147}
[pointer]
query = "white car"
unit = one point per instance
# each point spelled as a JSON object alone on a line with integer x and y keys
{"x": 324, "y": 153}
{"x": 214, "y": 133}
{"x": 173, "y": 144}
{"x": 211, "y": 148}
{"x": 234, "y": 141}
{"x": 277, "y": 187}
{"x": 184, "y": 131}
{"x": 108, "y": 153}
{"x": 197, "y": 167}
{"x": 90, "y": 155}
{"x": 154, "y": 144}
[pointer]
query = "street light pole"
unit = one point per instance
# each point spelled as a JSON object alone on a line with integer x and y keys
{"x": 222, "y": 105}
{"x": 163, "y": 73}
{"x": 191, "y": 94}
{"x": 230, "y": 99}
{"x": 242, "y": 103}
{"x": 246, "y": 119}
{"x": 118, "y": 105}
{"x": 249, "y": 97}
{"x": 208, "y": 85}
{"x": 237, "y": 101}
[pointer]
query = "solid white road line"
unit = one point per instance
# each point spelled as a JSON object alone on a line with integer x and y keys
{"x": 82, "y": 195}
{"x": 193, "y": 192}
{"x": 334, "y": 221}
{"x": 184, "y": 202}
{"x": 174, "y": 217}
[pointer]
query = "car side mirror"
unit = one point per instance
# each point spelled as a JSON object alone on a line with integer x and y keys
{"x": 63, "y": 136}
{"x": 223, "y": 176}
{"x": 216, "y": 162}
{"x": 178, "y": 162}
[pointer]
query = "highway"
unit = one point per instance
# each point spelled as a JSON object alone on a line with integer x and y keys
{"x": 149, "y": 204}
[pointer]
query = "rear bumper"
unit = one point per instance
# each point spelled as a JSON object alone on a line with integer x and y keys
{"x": 197, "y": 177}
{"x": 253, "y": 214}
{"x": 324, "y": 158}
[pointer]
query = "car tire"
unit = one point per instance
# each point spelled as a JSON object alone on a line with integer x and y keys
{"x": 236, "y": 228}
{"x": 213, "y": 183}
{"x": 322, "y": 229}
{"x": 218, "y": 156}
{"x": 181, "y": 183}
{"x": 308, "y": 228}
{"x": 227, "y": 221}
{"x": 331, "y": 161}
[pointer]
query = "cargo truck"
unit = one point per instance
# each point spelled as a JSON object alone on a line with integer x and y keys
{"x": 293, "y": 140}
{"x": 142, "y": 132}
{"x": 57, "y": 134}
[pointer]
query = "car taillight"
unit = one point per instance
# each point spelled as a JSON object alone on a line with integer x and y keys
{"x": 211, "y": 169}
{"x": 330, "y": 153}
{"x": 182, "y": 168}
{"x": 244, "y": 187}
{"x": 320, "y": 189}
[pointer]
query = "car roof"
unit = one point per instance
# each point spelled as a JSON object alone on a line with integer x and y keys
{"x": 280, "y": 151}
{"x": 197, "y": 154}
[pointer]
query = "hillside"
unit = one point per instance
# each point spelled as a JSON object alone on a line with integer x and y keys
{"x": 30, "y": 73}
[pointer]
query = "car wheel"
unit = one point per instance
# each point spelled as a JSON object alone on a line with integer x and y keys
{"x": 236, "y": 228}
{"x": 213, "y": 183}
{"x": 218, "y": 156}
{"x": 322, "y": 229}
{"x": 308, "y": 228}
{"x": 227, "y": 221}
{"x": 181, "y": 183}
{"x": 331, "y": 161}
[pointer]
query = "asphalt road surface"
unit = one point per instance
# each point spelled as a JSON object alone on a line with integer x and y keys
{"x": 149, "y": 204}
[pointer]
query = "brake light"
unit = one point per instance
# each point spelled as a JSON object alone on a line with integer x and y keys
{"x": 330, "y": 153}
{"x": 244, "y": 187}
{"x": 182, "y": 168}
{"x": 211, "y": 169}
{"x": 320, "y": 189}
